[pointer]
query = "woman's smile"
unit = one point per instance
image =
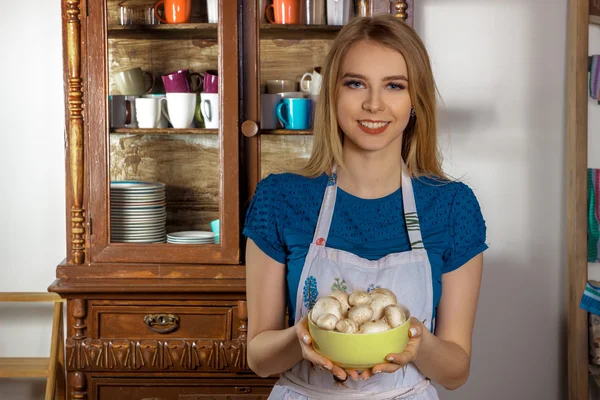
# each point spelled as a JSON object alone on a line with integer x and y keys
{"x": 373, "y": 127}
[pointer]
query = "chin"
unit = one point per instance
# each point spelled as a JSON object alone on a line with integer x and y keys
{"x": 373, "y": 143}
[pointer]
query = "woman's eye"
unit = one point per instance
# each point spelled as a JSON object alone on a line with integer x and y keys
{"x": 353, "y": 84}
{"x": 396, "y": 86}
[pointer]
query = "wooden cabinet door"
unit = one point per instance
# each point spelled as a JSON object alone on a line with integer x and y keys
{"x": 147, "y": 388}
{"x": 198, "y": 165}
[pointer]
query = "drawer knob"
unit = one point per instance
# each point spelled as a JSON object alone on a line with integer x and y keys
{"x": 162, "y": 323}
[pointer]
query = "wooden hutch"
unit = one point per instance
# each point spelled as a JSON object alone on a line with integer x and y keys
{"x": 168, "y": 321}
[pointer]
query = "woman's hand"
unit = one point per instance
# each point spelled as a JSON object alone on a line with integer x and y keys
{"x": 309, "y": 353}
{"x": 397, "y": 361}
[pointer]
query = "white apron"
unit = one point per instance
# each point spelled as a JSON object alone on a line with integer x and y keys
{"x": 407, "y": 274}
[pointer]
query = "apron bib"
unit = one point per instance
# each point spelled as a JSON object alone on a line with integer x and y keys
{"x": 407, "y": 274}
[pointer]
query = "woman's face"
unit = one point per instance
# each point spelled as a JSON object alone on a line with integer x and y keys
{"x": 373, "y": 102}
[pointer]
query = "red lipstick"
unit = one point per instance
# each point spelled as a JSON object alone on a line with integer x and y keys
{"x": 373, "y": 131}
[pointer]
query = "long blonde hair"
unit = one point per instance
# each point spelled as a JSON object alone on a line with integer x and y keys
{"x": 419, "y": 142}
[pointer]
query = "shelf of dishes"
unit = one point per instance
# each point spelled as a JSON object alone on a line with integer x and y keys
{"x": 138, "y": 215}
{"x": 165, "y": 131}
{"x": 195, "y": 131}
{"x": 209, "y": 31}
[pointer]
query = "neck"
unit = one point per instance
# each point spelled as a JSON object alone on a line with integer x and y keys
{"x": 370, "y": 175}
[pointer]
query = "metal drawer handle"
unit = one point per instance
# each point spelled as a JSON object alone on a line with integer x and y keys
{"x": 162, "y": 323}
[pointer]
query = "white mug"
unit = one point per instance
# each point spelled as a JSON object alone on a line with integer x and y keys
{"x": 162, "y": 122}
{"x": 147, "y": 112}
{"x": 212, "y": 8}
{"x": 285, "y": 95}
{"x": 311, "y": 83}
{"x": 210, "y": 109}
{"x": 180, "y": 109}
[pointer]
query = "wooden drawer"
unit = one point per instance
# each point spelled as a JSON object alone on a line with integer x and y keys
{"x": 161, "y": 321}
{"x": 180, "y": 389}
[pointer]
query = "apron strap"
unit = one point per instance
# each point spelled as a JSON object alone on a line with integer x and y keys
{"x": 326, "y": 212}
{"x": 411, "y": 218}
{"x": 410, "y": 211}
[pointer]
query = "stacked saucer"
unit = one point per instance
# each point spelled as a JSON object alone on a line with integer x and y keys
{"x": 137, "y": 212}
{"x": 191, "y": 237}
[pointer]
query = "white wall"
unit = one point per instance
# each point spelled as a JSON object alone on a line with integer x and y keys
{"x": 500, "y": 68}
{"x": 32, "y": 175}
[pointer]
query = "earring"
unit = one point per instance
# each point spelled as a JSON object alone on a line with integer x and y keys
{"x": 413, "y": 113}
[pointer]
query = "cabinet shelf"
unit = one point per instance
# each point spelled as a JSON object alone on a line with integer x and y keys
{"x": 285, "y": 132}
{"x": 298, "y": 32}
{"x": 164, "y": 31}
{"x": 167, "y": 131}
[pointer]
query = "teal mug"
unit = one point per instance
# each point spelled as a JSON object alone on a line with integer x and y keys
{"x": 295, "y": 113}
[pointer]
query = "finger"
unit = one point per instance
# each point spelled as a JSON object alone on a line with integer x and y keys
{"x": 352, "y": 373}
{"x": 403, "y": 358}
{"x": 385, "y": 367}
{"x": 311, "y": 355}
{"x": 366, "y": 374}
{"x": 302, "y": 331}
{"x": 339, "y": 373}
{"x": 416, "y": 328}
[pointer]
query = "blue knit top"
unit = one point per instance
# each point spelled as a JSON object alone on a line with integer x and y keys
{"x": 283, "y": 213}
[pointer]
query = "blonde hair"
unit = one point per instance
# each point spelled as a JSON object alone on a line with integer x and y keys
{"x": 419, "y": 141}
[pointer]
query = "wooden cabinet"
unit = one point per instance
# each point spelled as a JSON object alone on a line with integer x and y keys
{"x": 149, "y": 318}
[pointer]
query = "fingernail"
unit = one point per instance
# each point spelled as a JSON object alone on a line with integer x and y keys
{"x": 413, "y": 332}
{"x": 340, "y": 378}
{"x": 390, "y": 359}
{"x": 305, "y": 339}
{"x": 377, "y": 372}
{"x": 327, "y": 367}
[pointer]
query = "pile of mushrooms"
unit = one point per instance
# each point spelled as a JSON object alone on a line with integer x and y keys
{"x": 359, "y": 312}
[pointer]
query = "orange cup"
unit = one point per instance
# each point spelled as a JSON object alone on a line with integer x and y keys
{"x": 284, "y": 12}
{"x": 176, "y": 11}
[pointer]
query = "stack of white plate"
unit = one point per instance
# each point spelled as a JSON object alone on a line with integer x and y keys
{"x": 191, "y": 237}
{"x": 137, "y": 212}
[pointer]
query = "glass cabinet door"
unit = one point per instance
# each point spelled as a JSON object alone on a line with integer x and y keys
{"x": 163, "y": 131}
{"x": 292, "y": 45}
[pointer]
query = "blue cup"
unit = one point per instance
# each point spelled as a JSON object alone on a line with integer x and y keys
{"x": 295, "y": 113}
{"x": 216, "y": 228}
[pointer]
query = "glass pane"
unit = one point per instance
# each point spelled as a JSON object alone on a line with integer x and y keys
{"x": 293, "y": 45}
{"x": 163, "y": 124}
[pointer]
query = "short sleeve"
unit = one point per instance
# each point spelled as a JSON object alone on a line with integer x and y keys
{"x": 467, "y": 230}
{"x": 265, "y": 219}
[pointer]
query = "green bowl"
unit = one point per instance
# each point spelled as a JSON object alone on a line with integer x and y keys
{"x": 359, "y": 351}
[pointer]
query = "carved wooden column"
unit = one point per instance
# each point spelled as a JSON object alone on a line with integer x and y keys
{"x": 242, "y": 363}
{"x": 398, "y": 9}
{"x": 76, "y": 358}
{"x": 78, "y": 384}
{"x": 75, "y": 130}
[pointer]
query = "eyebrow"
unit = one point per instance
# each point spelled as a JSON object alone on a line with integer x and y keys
{"x": 387, "y": 78}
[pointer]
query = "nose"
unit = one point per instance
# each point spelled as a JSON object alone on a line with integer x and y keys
{"x": 373, "y": 103}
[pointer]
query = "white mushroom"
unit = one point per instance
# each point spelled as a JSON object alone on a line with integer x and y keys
{"x": 360, "y": 314}
{"x": 326, "y": 305}
{"x": 380, "y": 302}
{"x": 359, "y": 298}
{"x": 327, "y": 321}
{"x": 346, "y": 326}
{"x": 384, "y": 291}
{"x": 374, "y": 327}
{"x": 342, "y": 297}
{"x": 394, "y": 316}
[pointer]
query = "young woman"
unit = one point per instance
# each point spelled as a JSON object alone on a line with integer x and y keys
{"x": 371, "y": 208}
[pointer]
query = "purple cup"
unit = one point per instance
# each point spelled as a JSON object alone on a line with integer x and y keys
{"x": 180, "y": 81}
{"x": 211, "y": 81}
